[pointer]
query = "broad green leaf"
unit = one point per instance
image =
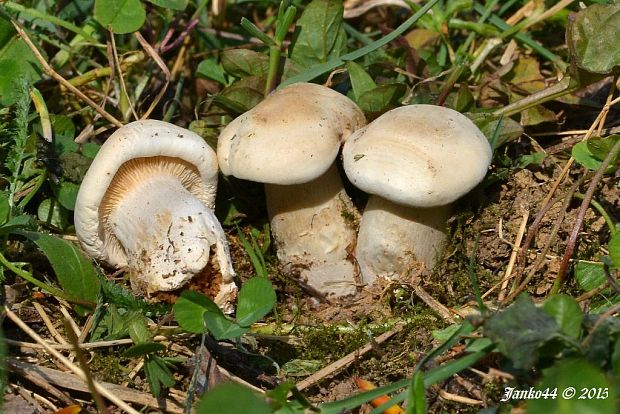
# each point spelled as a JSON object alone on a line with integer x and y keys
{"x": 189, "y": 310}
{"x": 17, "y": 63}
{"x": 244, "y": 62}
{"x": 245, "y": 93}
{"x": 581, "y": 377}
{"x": 256, "y": 299}
{"x": 64, "y": 134}
{"x": 76, "y": 273}
{"x": 566, "y": 312}
{"x": 232, "y": 399}
{"x": 520, "y": 330}
{"x": 137, "y": 327}
{"x": 589, "y": 275}
{"x": 592, "y": 152}
{"x": 360, "y": 80}
{"x": 382, "y": 97}
{"x": 194, "y": 311}
{"x": 90, "y": 150}
{"x": 170, "y": 4}
{"x": 592, "y": 39}
{"x": 614, "y": 250}
{"x": 7, "y": 31}
{"x": 121, "y": 16}
{"x": 67, "y": 193}
{"x": 210, "y": 69}
{"x": 497, "y": 131}
{"x": 5, "y": 207}
{"x": 53, "y": 214}
{"x": 143, "y": 349}
{"x": 221, "y": 328}
{"x": 15, "y": 223}
{"x": 320, "y": 33}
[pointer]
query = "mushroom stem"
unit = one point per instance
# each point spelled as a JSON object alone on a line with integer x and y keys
{"x": 314, "y": 227}
{"x": 165, "y": 230}
{"x": 392, "y": 238}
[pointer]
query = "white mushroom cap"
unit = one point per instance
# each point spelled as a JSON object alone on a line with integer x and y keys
{"x": 291, "y": 137}
{"x": 145, "y": 143}
{"x": 418, "y": 155}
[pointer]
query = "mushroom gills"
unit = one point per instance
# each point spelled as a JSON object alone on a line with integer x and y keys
{"x": 166, "y": 231}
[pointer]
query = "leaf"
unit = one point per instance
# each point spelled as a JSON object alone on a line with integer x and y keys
{"x": 53, "y": 214}
{"x": 592, "y": 39}
{"x": 76, "y": 273}
{"x": 5, "y": 208}
{"x": 244, "y": 62}
{"x": 170, "y": 4}
{"x": 592, "y": 152}
{"x": 498, "y": 131}
{"x": 143, "y": 349}
{"x": 589, "y": 275}
{"x": 536, "y": 158}
{"x": 194, "y": 311}
{"x": 137, "y": 327}
{"x": 232, "y": 399}
{"x": 157, "y": 374}
{"x": 567, "y": 314}
{"x": 189, "y": 309}
{"x": 245, "y": 93}
{"x": 382, "y": 97}
{"x": 17, "y": 63}
{"x": 417, "y": 395}
{"x": 221, "y": 328}
{"x": 121, "y": 16}
{"x": 321, "y": 34}
{"x": 210, "y": 69}
{"x": 67, "y": 193}
{"x": 15, "y": 223}
{"x": 521, "y": 330}
{"x": 64, "y": 134}
{"x": 256, "y": 299}
{"x": 580, "y": 376}
{"x": 360, "y": 80}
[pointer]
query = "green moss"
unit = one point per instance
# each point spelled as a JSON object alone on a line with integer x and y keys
{"x": 107, "y": 367}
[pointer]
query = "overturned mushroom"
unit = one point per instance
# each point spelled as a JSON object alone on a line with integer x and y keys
{"x": 415, "y": 161}
{"x": 290, "y": 142}
{"x": 146, "y": 203}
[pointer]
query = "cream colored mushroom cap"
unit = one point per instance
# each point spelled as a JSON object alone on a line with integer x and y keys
{"x": 291, "y": 137}
{"x": 418, "y": 155}
{"x": 146, "y": 139}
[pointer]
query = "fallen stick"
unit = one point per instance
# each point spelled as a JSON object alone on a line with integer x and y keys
{"x": 75, "y": 383}
{"x": 346, "y": 360}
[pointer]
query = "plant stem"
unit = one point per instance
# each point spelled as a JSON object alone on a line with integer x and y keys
{"x": 48, "y": 17}
{"x": 30, "y": 278}
{"x": 563, "y": 87}
{"x": 570, "y": 244}
{"x": 274, "y": 63}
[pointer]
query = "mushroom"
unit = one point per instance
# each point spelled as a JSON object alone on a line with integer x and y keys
{"x": 146, "y": 203}
{"x": 414, "y": 161}
{"x": 290, "y": 142}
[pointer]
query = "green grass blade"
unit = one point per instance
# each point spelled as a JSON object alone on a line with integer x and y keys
{"x": 318, "y": 70}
